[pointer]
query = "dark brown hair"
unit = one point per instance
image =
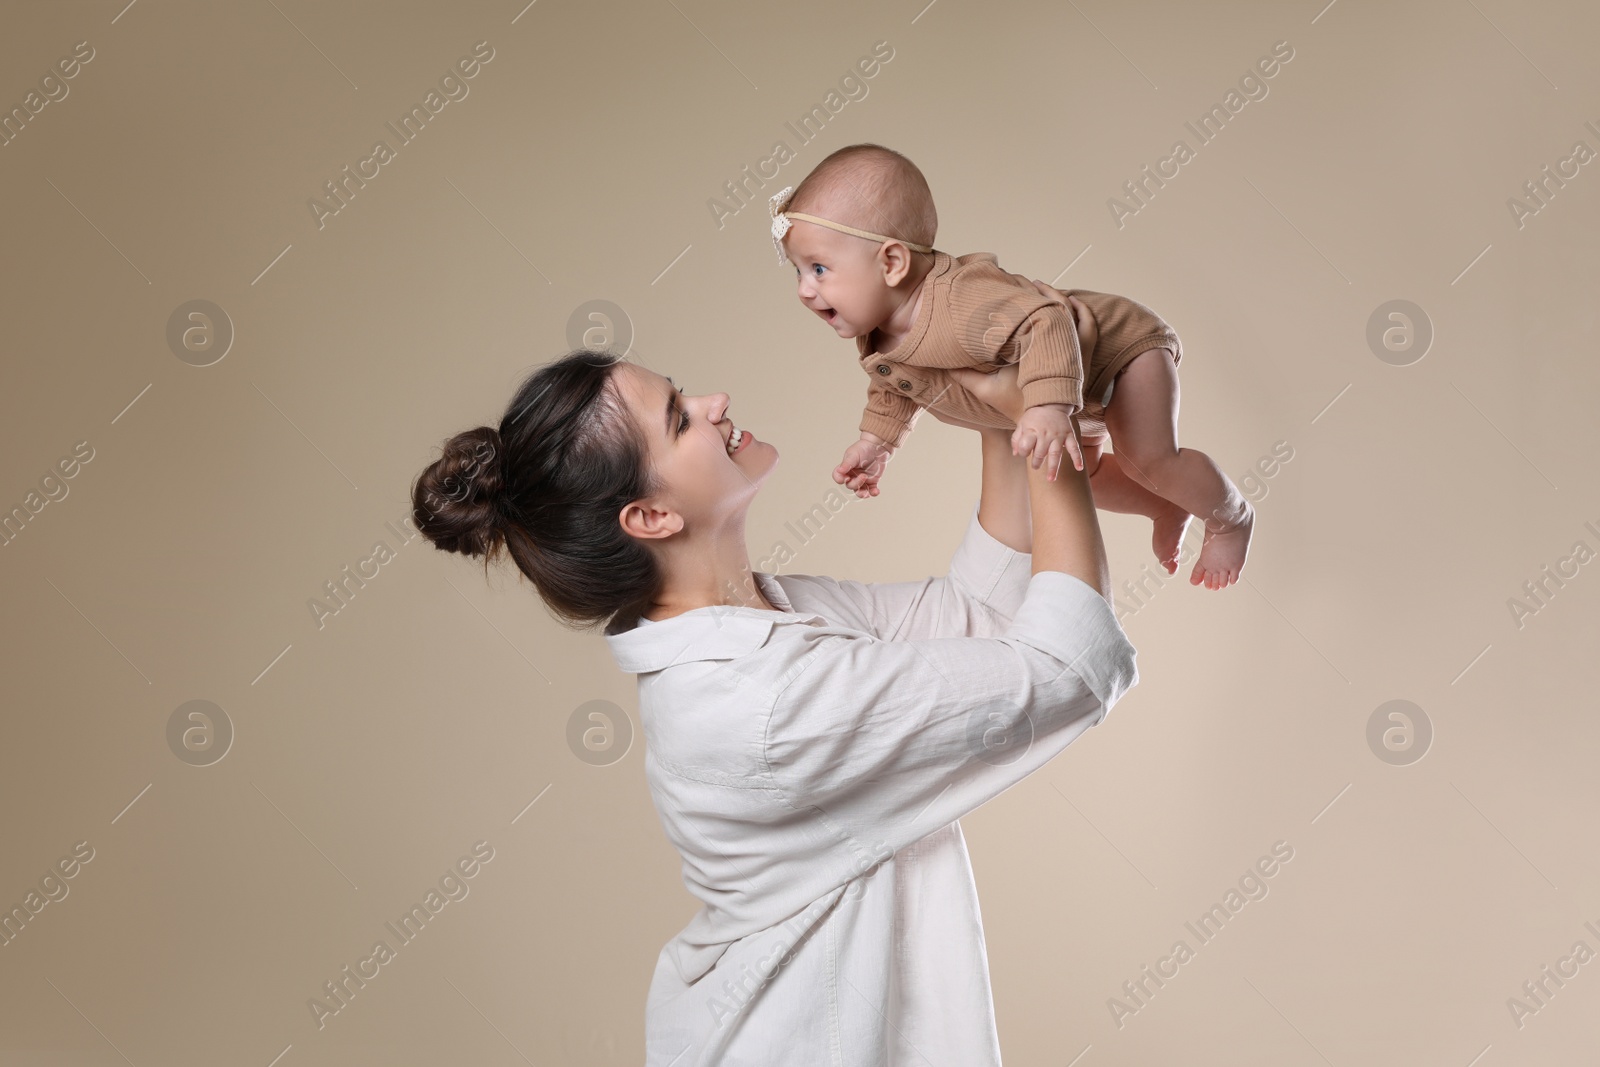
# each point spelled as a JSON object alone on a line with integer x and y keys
{"x": 548, "y": 485}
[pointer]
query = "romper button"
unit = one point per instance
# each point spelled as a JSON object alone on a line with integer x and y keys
{"x": 905, "y": 385}
{"x": 883, "y": 368}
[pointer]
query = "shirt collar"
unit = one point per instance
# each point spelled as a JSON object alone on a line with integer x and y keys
{"x": 718, "y": 631}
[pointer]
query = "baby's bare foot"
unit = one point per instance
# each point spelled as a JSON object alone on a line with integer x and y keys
{"x": 1168, "y": 537}
{"x": 1223, "y": 552}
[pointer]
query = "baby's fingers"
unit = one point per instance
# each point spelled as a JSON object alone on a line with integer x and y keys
{"x": 1075, "y": 450}
{"x": 1052, "y": 460}
{"x": 1033, "y": 444}
{"x": 1044, "y": 454}
{"x": 1021, "y": 441}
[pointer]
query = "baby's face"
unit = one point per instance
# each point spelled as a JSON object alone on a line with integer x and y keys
{"x": 838, "y": 277}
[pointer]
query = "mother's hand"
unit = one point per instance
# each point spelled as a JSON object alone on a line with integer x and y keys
{"x": 999, "y": 390}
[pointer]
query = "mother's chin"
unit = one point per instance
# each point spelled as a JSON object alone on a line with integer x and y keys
{"x": 752, "y": 455}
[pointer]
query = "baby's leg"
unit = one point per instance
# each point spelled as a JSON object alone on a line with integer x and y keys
{"x": 1113, "y": 490}
{"x": 1143, "y": 422}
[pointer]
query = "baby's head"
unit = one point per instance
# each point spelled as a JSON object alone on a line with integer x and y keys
{"x": 855, "y": 283}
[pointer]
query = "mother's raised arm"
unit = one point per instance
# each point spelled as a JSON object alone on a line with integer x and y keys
{"x": 1065, "y": 529}
{"x": 1003, "y": 500}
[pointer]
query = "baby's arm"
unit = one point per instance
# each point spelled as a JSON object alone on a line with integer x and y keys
{"x": 889, "y": 415}
{"x": 1048, "y": 357}
{"x": 1050, "y": 368}
{"x": 884, "y": 424}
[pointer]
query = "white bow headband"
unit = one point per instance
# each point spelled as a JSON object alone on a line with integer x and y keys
{"x": 781, "y": 221}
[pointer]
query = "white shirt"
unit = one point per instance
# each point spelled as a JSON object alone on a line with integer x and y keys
{"x": 810, "y": 764}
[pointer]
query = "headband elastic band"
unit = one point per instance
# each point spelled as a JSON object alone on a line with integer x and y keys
{"x": 781, "y": 223}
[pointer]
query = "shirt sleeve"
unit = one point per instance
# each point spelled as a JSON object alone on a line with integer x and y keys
{"x": 978, "y": 598}
{"x": 883, "y": 742}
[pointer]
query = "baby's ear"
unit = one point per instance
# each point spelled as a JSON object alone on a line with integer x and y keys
{"x": 894, "y": 259}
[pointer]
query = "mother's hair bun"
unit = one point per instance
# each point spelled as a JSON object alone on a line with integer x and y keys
{"x": 454, "y": 499}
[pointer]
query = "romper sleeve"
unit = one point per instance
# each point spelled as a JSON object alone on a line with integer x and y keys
{"x": 1050, "y": 368}
{"x": 888, "y": 415}
{"x": 1004, "y": 319}
{"x": 880, "y": 743}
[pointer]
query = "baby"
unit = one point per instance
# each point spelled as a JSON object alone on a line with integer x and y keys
{"x": 859, "y": 232}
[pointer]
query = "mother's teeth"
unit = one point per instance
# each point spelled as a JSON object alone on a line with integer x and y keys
{"x": 735, "y": 439}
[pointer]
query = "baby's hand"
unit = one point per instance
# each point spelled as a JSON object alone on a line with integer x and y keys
{"x": 1045, "y": 431}
{"x": 863, "y": 464}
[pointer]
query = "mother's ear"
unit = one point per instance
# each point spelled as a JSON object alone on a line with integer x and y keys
{"x": 646, "y": 520}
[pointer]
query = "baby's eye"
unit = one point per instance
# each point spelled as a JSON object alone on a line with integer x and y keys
{"x": 818, "y": 267}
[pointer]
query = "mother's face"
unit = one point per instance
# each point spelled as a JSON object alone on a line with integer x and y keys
{"x": 702, "y": 486}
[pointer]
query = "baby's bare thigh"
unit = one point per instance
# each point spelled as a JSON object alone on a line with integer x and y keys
{"x": 1142, "y": 414}
{"x": 1091, "y": 446}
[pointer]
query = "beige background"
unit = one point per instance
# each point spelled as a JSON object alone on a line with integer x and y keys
{"x": 370, "y": 753}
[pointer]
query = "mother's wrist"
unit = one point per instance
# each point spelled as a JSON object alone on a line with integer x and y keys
{"x": 995, "y": 433}
{"x": 997, "y": 442}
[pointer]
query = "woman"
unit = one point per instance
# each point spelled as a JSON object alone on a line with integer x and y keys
{"x": 809, "y": 742}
